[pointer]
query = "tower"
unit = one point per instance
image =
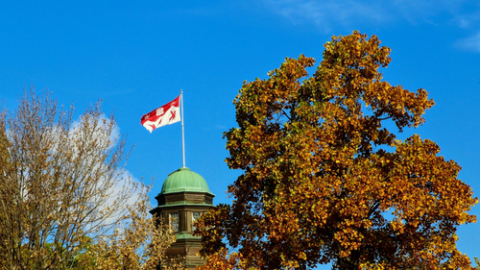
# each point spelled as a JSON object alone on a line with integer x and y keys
{"x": 184, "y": 197}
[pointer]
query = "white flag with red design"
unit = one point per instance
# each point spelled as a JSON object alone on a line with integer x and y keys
{"x": 165, "y": 115}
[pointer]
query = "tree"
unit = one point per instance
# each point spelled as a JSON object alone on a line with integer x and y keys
{"x": 325, "y": 178}
{"x": 140, "y": 243}
{"x": 477, "y": 262}
{"x": 63, "y": 189}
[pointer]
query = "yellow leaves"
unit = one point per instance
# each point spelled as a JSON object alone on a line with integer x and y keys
{"x": 66, "y": 174}
{"x": 372, "y": 266}
{"x": 140, "y": 244}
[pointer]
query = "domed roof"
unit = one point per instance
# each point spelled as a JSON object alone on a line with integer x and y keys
{"x": 184, "y": 180}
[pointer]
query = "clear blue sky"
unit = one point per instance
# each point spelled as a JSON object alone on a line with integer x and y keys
{"x": 137, "y": 55}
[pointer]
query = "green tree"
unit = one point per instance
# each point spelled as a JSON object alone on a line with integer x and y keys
{"x": 325, "y": 178}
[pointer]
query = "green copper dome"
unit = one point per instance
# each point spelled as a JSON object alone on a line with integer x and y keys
{"x": 184, "y": 180}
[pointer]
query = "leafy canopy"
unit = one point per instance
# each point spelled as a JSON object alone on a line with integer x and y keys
{"x": 325, "y": 180}
{"x": 66, "y": 200}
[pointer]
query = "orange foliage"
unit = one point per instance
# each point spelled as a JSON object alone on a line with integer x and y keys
{"x": 325, "y": 180}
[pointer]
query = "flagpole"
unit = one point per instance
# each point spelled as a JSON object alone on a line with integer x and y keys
{"x": 183, "y": 129}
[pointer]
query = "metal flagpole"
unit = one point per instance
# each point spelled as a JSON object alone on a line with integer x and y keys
{"x": 183, "y": 129}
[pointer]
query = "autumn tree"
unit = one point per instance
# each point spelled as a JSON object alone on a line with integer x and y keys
{"x": 64, "y": 188}
{"x": 326, "y": 180}
{"x": 138, "y": 243}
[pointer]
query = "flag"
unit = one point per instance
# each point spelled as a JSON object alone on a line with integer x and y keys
{"x": 165, "y": 115}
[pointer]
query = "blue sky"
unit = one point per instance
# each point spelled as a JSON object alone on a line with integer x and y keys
{"x": 137, "y": 55}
